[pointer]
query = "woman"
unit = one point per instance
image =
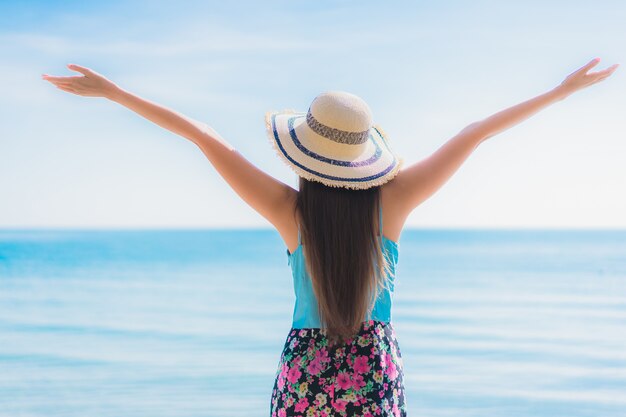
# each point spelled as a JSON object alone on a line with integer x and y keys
{"x": 341, "y": 356}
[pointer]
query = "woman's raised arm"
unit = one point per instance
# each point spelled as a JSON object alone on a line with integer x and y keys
{"x": 270, "y": 197}
{"x": 419, "y": 181}
{"x": 512, "y": 116}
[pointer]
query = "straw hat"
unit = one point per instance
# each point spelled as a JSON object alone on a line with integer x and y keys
{"x": 334, "y": 143}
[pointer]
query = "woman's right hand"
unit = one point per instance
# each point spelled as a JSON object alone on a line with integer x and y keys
{"x": 580, "y": 79}
{"x": 91, "y": 84}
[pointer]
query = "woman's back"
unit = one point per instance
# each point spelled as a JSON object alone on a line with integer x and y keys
{"x": 363, "y": 377}
{"x": 394, "y": 216}
{"x": 306, "y": 314}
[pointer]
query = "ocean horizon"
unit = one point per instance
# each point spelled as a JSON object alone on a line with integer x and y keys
{"x": 192, "y": 322}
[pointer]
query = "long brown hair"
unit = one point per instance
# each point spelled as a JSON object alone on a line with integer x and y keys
{"x": 343, "y": 253}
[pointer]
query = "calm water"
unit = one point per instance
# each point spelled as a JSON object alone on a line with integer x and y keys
{"x": 192, "y": 323}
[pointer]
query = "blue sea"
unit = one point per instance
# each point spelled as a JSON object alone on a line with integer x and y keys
{"x": 186, "y": 323}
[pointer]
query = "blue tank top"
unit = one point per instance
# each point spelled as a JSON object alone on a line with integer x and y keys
{"x": 306, "y": 313}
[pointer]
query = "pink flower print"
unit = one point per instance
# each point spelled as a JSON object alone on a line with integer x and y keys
{"x": 396, "y": 411}
{"x": 293, "y": 375}
{"x": 296, "y": 361}
{"x": 302, "y": 333}
{"x": 383, "y": 361}
{"x": 281, "y": 382}
{"x": 360, "y": 365}
{"x": 330, "y": 389}
{"x": 301, "y": 405}
{"x": 368, "y": 414}
{"x": 339, "y": 405}
{"x": 343, "y": 380}
{"x": 314, "y": 367}
{"x": 281, "y": 376}
{"x": 357, "y": 381}
{"x": 282, "y": 413}
{"x": 392, "y": 371}
{"x": 322, "y": 355}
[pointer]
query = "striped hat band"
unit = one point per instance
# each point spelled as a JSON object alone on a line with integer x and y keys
{"x": 337, "y": 135}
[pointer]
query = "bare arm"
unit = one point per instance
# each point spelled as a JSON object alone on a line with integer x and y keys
{"x": 511, "y": 116}
{"x": 419, "y": 181}
{"x": 268, "y": 196}
{"x": 167, "y": 118}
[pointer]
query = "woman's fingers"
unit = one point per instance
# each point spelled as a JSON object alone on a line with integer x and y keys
{"x": 89, "y": 84}
{"x": 604, "y": 77}
{"x": 68, "y": 89}
{"x": 601, "y": 75}
{"x": 65, "y": 85}
{"x": 63, "y": 82}
{"x": 609, "y": 70}
{"x": 60, "y": 78}
{"x": 74, "y": 83}
{"x": 589, "y": 65}
{"x": 82, "y": 70}
{"x": 71, "y": 82}
{"x": 580, "y": 78}
{"x": 604, "y": 71}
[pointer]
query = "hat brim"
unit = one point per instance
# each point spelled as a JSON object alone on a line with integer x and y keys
{"x": 337, "y": 165}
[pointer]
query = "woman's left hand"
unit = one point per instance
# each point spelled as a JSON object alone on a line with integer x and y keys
{"x": 90, "y": 84}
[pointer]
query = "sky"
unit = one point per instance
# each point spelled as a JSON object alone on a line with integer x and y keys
{"x": 426, "y": 69}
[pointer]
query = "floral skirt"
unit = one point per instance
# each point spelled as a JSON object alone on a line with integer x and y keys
{"x": 362, "y": 378}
